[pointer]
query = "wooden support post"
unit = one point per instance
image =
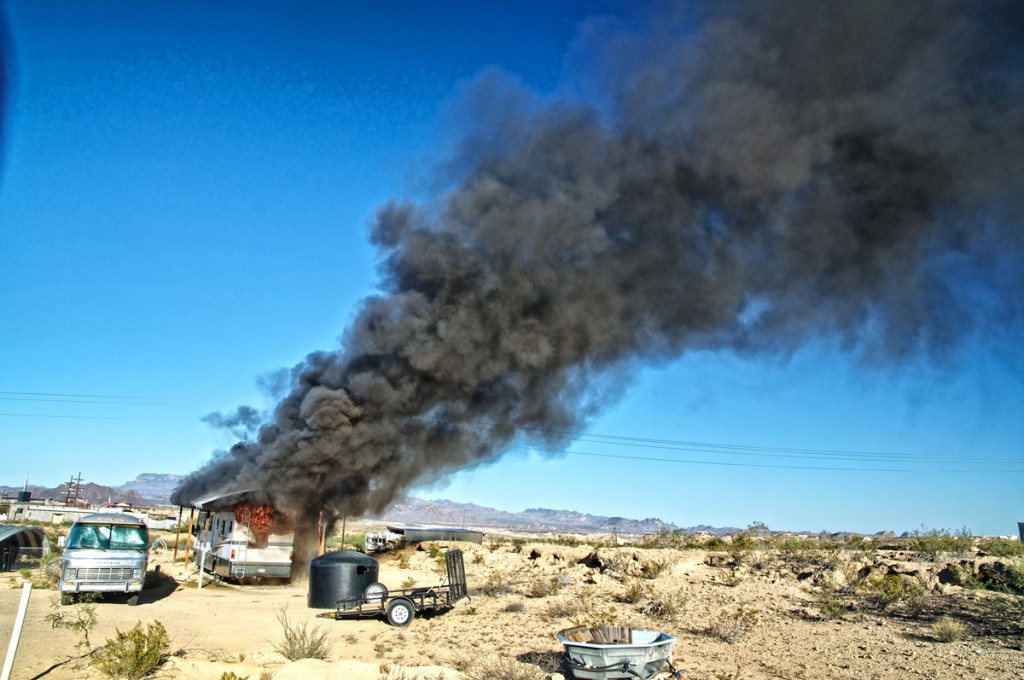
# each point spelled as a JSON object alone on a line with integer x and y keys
{"x": 177, "y": 535}
{"x": 188, "y": 541}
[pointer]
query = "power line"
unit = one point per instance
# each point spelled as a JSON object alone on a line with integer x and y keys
{"x": 70, "y": 417}
{"x": 755, "y": 465}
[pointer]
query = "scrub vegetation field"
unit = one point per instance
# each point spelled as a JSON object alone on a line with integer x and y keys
{"x": 937, "y": 604}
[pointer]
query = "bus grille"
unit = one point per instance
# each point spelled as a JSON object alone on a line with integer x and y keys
{"x": 105, "y": 574}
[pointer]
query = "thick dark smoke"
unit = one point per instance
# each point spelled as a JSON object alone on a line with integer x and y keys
{"x": 751, "y": 177}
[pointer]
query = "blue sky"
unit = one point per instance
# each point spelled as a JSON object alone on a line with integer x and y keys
{"x": 184, "y": 194}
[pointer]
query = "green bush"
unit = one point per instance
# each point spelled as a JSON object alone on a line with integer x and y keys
{"x": 1002, "y": 577}
{"x": 1002, "y": 547}
{"x": 135, "y": 654}
{"x": 885, "y": 591}
{"x": 933, "y": 543}
{"x": 79, "y": 618}
{"x": 830, "y": 603}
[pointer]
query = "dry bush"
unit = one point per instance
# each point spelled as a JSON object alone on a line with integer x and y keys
{"x": 653, "y": 568}
{"x": 301, "y": 641}
{"x": 497, "y": 584}
{"x": 399, "y": 673}
{"x": 664, "y": 605}
{"x": 637, "y": 591}
{"x": 542, "y": 587}
{"x": 732, "y": 625}
{"x": 564, "y": 608}
{"x": 493, "y": 666}
{"x": 595, "y": 618}
{"x": 948, "y": 630}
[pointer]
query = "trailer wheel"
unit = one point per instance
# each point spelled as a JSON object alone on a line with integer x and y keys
{"x": 375, "y": 592}
{"x": 400, "y": 612}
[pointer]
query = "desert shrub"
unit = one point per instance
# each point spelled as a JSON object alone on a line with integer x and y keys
{"x": 637, "y": 591}
{"x": 134, "y": 654}
{"x": 301, "y": 641}
{"x": 494, "y": 666}
{"x": 676, "y": 539}
{"x": 948, "y": 630}
{"x": 653, "y": 568}
{"x": 79, "y": 617}
{"x": 409, "y": 582}
{"x": 230, "y": 675}
{"x": 595, "y": 618}
{"x": 515, "y": 607}
{"x": 1002, "y": 577}
{"x": 883, "y": 592}
{"x": 563, "y": 608}
{"x": 829, "y": 602}
{"x": 1002, "y": 547}
{"x": 865, "y": 547}
{"x": 542, "y": 587}
{"x": 664, "y": 605}
{"x": 403, "y": 562}
{"x": 478, "y": 558}
{"x": 933, "y": 543}
{"x": 497, "y": 584}
{"x": 569, "y": 541}
{"x": 434, "y": 550}
{"x": 732, "y": 624}
{"x": 398, "y": 673}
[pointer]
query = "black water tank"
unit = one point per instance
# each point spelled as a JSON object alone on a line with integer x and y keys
{"x": 338, "y": 576}
{"x": 24, "y": 496}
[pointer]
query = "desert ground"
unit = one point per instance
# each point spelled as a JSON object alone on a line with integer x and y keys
{"x": 779, "y": 608}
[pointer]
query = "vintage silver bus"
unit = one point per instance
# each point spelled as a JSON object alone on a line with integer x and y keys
{"x": 105, "y": 553}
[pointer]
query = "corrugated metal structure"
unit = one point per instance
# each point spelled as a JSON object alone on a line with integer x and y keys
{"x": 417, "y": 534}
{"x": 18, "y": 539}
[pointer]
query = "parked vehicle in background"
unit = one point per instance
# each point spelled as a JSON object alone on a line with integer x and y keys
{"x": 105, "y": 553}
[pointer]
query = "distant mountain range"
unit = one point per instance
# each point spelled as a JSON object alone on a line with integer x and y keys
{"x": 155, "y": 489}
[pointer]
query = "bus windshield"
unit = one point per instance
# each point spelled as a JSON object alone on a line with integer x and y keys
{"x": 107, "y": 537}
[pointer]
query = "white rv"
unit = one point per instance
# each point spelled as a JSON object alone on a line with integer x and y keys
{"x": 243, "y": 537}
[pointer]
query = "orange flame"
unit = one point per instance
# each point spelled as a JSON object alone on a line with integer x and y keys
{"x": 263, "y": 520}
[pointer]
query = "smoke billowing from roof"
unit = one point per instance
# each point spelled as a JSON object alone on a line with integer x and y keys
{"x": 754, "y": 176}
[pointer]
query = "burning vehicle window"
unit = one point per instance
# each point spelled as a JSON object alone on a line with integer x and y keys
{"x": 107, "y": 537}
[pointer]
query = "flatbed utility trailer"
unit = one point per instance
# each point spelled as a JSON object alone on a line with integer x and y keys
{"x": 399, "y": 607}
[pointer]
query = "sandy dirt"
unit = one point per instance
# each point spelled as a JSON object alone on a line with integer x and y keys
{"x": 756, "y": 619}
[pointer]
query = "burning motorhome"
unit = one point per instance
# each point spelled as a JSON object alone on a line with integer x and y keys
{"x": 243, "y": 536}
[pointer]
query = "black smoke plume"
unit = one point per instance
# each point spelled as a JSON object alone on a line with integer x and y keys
{"x": 746, "y": 176}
